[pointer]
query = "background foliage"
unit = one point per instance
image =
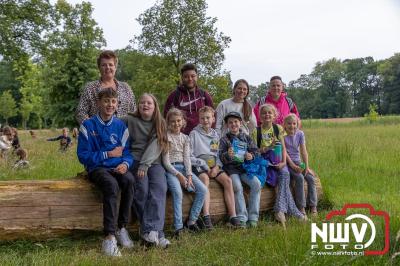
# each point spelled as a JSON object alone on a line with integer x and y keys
{"x": 48, "y": 53}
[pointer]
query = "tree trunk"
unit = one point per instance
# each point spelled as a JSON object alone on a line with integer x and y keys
{"x": 42, "y": 209}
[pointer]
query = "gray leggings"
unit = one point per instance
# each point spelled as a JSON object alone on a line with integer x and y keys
{"x": 300, "y": 198}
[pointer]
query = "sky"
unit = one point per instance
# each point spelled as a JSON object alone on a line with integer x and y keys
{"x": 277, "y": 37}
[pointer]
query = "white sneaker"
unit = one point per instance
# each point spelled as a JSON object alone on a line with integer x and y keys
{"x": 151, "y": 237}
{"x": 110, "y": 248}
{"x": 123, "y": 238}
{"x": 163, "y": 242}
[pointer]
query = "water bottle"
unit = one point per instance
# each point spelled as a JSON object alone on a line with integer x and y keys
{"x": 277, "y": 153}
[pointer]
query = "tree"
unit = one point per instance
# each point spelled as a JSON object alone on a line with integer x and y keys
{"x": 70, "y": 58}
{"x": 364, "y": 84}
{"x": 8, "y": 107}
{"x": 389, "y": 69}
{"x": 22, "y": 24}
{"x": 332, "y": 95}
{"x": 33, "y": 94}
{"x": 180, "y": 31}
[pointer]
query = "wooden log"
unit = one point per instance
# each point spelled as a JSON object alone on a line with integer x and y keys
{"x": 42, "y": 209}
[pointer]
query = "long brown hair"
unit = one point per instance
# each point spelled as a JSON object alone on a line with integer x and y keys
{"x": 159, "y": 126}
{"x": 247, "y": 110}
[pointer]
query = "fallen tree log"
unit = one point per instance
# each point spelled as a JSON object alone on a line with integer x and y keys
{"x": 42, "y": 209}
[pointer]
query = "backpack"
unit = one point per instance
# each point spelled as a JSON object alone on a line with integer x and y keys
{"x": 175, "y": 102}
{"x": 288, "y": 100}
{"x": 276, "y": 134}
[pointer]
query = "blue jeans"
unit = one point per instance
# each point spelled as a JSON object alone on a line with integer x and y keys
{"x": 176, "y": 191}
{"x": 254, "y": 200}
{"x": 300, "y": 197}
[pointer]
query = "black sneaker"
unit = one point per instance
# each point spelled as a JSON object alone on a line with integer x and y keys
{"x": 207, "y": 222}
{"x": 178, "y": 233}
{"x": 193, "y": 228}
{"x": 236, "y": 223}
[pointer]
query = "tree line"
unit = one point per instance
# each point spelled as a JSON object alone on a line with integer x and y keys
{"x": 48, "y": 53}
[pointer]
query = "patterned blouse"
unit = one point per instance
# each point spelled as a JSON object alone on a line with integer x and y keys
{"x": 179, "y": 152}
{"x": 87, "y": 106}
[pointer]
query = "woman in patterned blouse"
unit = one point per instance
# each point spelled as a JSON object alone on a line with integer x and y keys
{"x": 107, "y": 64}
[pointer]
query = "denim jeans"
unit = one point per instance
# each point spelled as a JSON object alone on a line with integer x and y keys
{"x": 176, "y": 191}
{"x": 254, "y": 200}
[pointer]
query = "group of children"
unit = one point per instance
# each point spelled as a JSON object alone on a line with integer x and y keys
{"x": 143, "y": 156}
{"x": 9, "y": 145}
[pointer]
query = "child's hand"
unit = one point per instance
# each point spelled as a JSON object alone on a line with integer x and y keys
{"x": 190, "y": 182}
{"x": 280, "y": 165}
{"x": 306, "y": 171}
{"x": 248, "y": 156}
{"x": 182, "y": 180}
{"x": 230, "y": 152}
{"x": 121, "y": 168}
{"x": 140, "y": 173}
{"x": 116, "y": 152}
{"x": 297, "y": 168}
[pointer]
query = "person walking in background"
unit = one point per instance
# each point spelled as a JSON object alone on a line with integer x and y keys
{"x": 238, "y": 103}
{"x": 188, "y": 97}
{"x": 278, "y": 98}
{"x": 87, "y": 107}
{"x": 65, "y": 140}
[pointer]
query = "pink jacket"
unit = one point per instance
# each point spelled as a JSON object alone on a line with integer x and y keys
{"x": 281, "y": 105}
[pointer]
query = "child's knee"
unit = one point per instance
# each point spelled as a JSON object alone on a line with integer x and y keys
{"x": 205, "y": 179}
{"x": 225, "y": 181}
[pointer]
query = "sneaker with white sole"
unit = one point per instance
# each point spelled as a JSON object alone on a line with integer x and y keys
{"x": 151, "y": 237}
{"x": 163, "y": 243}
{"x": 110, "y": 248}
{"x": 123, "y": 238}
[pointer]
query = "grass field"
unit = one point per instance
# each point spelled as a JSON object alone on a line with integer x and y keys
{"x": 357, "y": 162}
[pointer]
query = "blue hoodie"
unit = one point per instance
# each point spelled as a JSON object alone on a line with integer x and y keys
{"x": 97, "y": 137}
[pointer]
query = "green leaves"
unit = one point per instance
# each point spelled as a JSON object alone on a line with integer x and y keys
{"x": 180, "y": 31}
{"x": 8, "y": 107}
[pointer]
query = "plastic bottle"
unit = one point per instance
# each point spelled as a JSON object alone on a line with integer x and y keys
{"x": 277, "y": 158}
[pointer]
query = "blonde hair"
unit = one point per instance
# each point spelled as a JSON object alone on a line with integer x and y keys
{"x": 291, "y": 118}
{"x": 158, "y": 122}
{"x": 267, "y": 107}
{"x": 175, "y": 112}
{"x": 206, "y": 109}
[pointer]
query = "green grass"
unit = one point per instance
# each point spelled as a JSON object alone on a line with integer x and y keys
{"x": 357, "y": 163}
{"x": 45, "y": 159}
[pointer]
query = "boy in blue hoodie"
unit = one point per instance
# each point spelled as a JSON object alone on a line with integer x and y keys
{"x": 103, "y": 150}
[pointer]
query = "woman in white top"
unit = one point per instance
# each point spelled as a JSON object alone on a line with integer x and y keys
{"x": 237, "y": 103}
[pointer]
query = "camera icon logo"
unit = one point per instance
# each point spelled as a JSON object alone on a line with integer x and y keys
{"x": 356, "y": 231}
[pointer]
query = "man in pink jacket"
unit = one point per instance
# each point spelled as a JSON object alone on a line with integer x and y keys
{"x": 279, "y": 99}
